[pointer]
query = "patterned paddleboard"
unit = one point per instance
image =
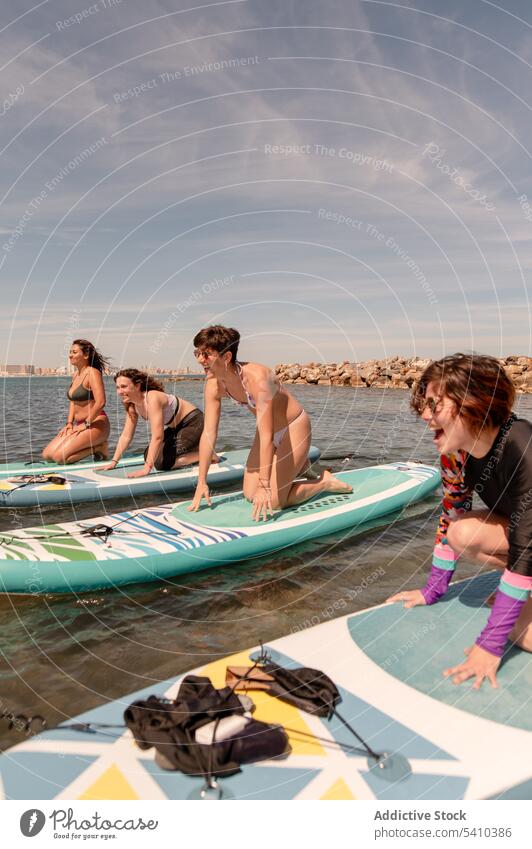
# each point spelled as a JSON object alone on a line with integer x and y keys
{"x": 453, "y": 742}
{"x": 161, "y": 542}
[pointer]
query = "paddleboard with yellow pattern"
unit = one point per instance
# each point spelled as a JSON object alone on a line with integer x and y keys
{"x": 456, "y": 743}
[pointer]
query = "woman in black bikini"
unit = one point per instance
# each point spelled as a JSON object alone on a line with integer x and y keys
{"x": 87, "y": 429}
{"x": 282, "y": 440}
{"x": 175, "y": 424}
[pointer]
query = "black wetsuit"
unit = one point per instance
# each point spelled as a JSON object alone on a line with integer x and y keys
{"x": 503, "y": 480}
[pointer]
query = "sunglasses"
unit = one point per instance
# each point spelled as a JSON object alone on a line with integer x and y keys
{"x": 433, "y": 404}
{"x": 206, "y": 355}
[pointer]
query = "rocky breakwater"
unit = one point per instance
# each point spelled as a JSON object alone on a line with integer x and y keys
{"x": 391, "y": 373}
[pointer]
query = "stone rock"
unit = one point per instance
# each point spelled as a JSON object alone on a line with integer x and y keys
{"x": 371, "y": 379}
{"x": 391, "y": 372}
{"x": 410, "y": 378}
{"x": 293, "y": 371}
{"x": 398, "y": 382}
{"x": 524, "y": 382}
{"x": 312, "y": 375}
{"x": 419, "y": 363}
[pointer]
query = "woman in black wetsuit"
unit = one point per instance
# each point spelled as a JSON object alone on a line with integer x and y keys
{"x": 484, "y": 448}
{"x": 87, "y": 429}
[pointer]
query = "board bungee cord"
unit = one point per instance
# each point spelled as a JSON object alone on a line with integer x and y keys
{"x": 392, "y": 767}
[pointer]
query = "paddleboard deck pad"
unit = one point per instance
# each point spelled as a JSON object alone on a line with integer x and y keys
{"x": 457, "y": 743}
{"x": 165, "y": 541}
{"x": 31, "y": 489}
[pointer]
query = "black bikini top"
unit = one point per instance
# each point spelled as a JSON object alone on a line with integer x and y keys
{"x": 80, "y": 393}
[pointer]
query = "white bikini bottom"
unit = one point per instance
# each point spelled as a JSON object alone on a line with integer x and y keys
{"x": 279, "y": 434}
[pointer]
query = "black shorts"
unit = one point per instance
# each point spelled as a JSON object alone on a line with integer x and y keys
{"x": 180, "y": 440}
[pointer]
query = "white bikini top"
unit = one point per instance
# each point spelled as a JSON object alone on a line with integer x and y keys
{"x": 170, "y": 409}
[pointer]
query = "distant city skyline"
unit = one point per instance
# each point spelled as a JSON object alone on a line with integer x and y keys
{"x": 13, "y": 370}
{"x": 348, "y": 180}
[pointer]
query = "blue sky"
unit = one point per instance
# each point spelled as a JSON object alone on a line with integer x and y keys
{"x": 339, "y": 180}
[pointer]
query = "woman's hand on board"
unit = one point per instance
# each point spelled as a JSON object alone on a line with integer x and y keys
{"x": 110, "y": 466}
{"x": 141, "y": 473}
{"x": 411, "y": 598}
{"x": 480, "y": 664}
{"x": 202, "y": 491}
{"x": 262, "y": 504}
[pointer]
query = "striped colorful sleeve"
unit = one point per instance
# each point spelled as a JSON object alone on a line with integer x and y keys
{"x": 512, "y": 593}
{"x": 456, "y": 502}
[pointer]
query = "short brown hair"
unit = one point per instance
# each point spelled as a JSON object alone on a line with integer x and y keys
{"x": 219, "y": 338}
{"x": 478, "y": 385}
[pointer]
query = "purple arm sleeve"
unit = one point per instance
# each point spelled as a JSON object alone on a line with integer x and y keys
{"x": 511, "y": 596}
{"x": 436, "y": 586}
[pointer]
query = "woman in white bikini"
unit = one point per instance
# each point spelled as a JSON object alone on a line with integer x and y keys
{"x": 282, "y": 440}
{"x": 175, "y": 424}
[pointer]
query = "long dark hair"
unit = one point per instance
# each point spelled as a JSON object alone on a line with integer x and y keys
{"x": 478, "y": 385}
{"x": 96, "y": 360}
{"x": 140, "y": 378}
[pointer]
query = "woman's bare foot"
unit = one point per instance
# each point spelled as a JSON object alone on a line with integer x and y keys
{"x": 332, "y": 484}
{"x": 309, "y": 473}
{"x": 215, "y": 458}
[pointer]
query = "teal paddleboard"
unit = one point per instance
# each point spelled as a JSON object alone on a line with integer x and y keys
{"x": 450, "y": 742}
{"x": 75, "y": 486}
{"x": 161, "y": 542}
{"x": 39, "y": 467}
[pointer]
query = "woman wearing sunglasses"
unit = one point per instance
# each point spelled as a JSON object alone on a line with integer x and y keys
{"x": 466, "y": 400}
{"x": 282, "y": 440}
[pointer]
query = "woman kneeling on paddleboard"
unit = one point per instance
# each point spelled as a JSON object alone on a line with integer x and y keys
{"x": 466, "y": 400}
{"x": 87, "y": 429}
{"x": 175, "y": 424}
{"x": 282, "y": 440}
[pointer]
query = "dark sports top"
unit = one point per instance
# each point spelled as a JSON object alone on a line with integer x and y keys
{"x": 503, "y": 480}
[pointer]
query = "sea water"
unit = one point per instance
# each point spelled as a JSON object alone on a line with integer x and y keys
{"x": 61, "y": 655}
